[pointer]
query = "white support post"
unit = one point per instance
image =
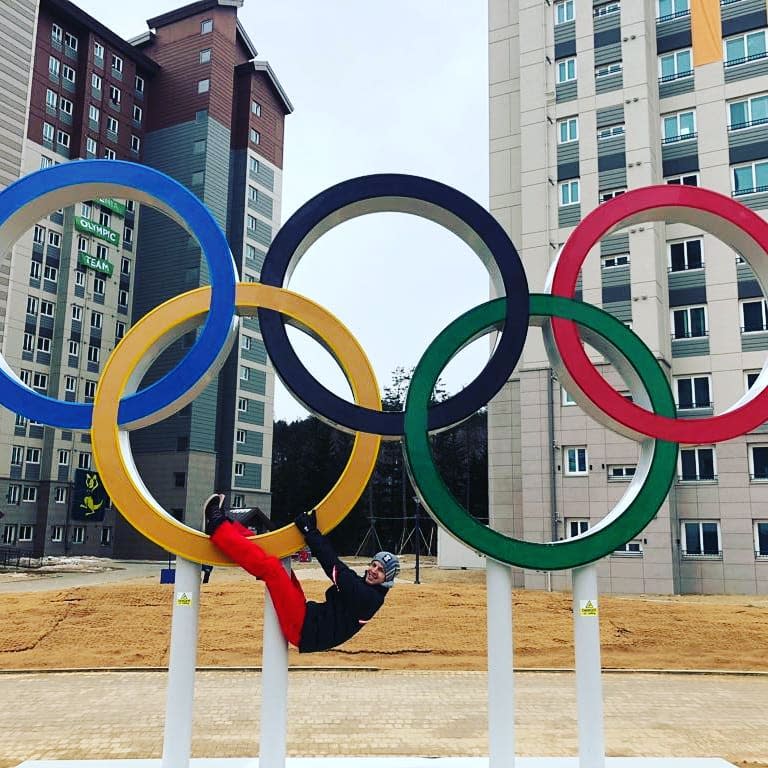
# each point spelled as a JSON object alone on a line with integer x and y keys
{"x": 501, "y": 693}
{"x": 589, "y": 686}
{"x": 274, "y": 688}
{"x": 177, "y": 740}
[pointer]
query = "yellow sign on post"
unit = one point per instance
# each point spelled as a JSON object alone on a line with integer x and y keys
{"x": 588, "y": 607}
{"x": 706, "y": 31}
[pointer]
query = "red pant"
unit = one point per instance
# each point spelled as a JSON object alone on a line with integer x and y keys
{"x": 286, "y": 592}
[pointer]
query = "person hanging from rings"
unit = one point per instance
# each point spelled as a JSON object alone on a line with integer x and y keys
{"x": 350, "y": 602}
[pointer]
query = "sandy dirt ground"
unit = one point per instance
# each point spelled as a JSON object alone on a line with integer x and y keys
{"x": 438, "y": 624}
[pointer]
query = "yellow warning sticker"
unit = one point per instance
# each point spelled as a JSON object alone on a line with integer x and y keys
{"x": 183, "y": 598}
{"x": 588, "y": 607}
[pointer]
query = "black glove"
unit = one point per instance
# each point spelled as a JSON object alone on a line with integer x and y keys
{"x": 306, "y": 521}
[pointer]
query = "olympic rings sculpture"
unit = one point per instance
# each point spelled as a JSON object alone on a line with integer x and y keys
{"x": 120, "y": 405}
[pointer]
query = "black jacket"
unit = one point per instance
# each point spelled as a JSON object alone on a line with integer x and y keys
{"x": 349, "y": 602}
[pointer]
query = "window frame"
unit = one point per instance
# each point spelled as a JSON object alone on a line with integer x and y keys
{"x": 684, "y": 548}
{"x": 570, "y": 185}
{"x": 581, "y": 453}
{"x": 687, "y": 310}
{"x": 563, "y": 66}
{"x": 764, "y": 312}
{"x": 568, "y": 123}
{"x": 699, "y": 478}
{"x": 692, "y": 378}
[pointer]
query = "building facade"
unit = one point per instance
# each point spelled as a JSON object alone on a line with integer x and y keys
{"x": 191, "y": 99}
{"x": 588, "y": 100}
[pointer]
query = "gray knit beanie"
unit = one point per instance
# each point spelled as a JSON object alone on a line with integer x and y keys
{"x": 391, "y": 566}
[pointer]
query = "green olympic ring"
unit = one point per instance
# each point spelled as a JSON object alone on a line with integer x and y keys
{"x": 656, "y": 466}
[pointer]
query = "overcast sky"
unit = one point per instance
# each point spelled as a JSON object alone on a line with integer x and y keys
{"x": 395, "y": 87}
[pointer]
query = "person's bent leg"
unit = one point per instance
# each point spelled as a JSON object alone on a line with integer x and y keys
{"x": 286, "y": 592}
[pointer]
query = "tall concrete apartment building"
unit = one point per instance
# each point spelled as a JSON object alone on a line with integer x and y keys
{"x": 590, "y": 98}
{"x": 190, "y": 98}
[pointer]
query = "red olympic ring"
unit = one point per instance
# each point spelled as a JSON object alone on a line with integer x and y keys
{"x": 737, "y": 226}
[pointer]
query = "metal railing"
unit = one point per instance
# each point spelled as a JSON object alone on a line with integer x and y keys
{"x": 13, "y": 557}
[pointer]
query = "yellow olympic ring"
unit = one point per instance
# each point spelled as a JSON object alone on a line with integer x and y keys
{"x": 140, "y": 347}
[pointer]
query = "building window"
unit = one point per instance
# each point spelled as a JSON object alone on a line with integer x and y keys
{"x": 51, "y": 273}
{"x": 117, "y": 63}
{"x": 621, "y": 472}
{"x": 203, "y": 85}
{"x": 205, "y": 56}
{"x": 135, "y": 143}
{"x": 28, "y": 342}
{"x": 566, "y": 70}
{"x": 253, "y": 164}
{"x": 137, "y": 114}
{"x": 14, "y": 494}
{"x": 51, "y": 99}
{"x": 689, "y": 322}
{"x": 26, "y": 532}
{"x": 98, "y": 50}
{"x": 761, "y": 538}
{"x": 685, "y": 255}
{"x": 48, "y": 133}
{"x": 43, "y": 344}
{"x": 632, "y": 548}
{"x": 753, "y": 316}
{"x": 57, "y": 34}
{"x": 569, "y": 192}
{"x": 679, "y": 127}
{"x": 78, "y": 534}
{"x": 34, "y": 270}
{"x": 29, "y": 493}
{"x": 564, "y": 11}
{"x": 119, "y": 330}
{"x": 63, "y": 457}
{"x": 618, "y": 260}
{"x": 68, "y": 73}
{"x": 54, "y": 67}
{"x": 675, "y": 65}
{"x": 568, "y": 130}
{"x": 609, "y": 194}
{"x": 70, "y": 384}
{"x": 750, "y": 178}
{"x": 17, "y": 455}
{"x": 206, "y": 26}
{"x": 606, "y": 70}
{"x": 96, "y": 319}
{"x": 245, "y": 342}
{"x": 565, "y": 397}
{"x": 99, "y": 286}
{"x": 748, "y": 112}
{"x": 688, "y": 180}
{"x": 575, "y": 460}
{"x": 71, "y": 41}
{"x": 700, "y": 539}
{"x": 240, "y": 437}
{"x": 57, "y": 533}
{"x": 693, "y": 392}
{"x": 114, "y": 95}
{"x": 179, "y": 479}
{"x": 668, "y": 9}
{"x": 32, "y": 305}
{"x": 84, "y": 460}
{"x": 39, "y": 234}
{"x": 40, "y": 380}
{"x": 256, "y": 108}
{"x": 91, "y": 147}
{"x": 109, "y": 154}
{"x": 9, "y": 533}
{"x": 90, "y": 390}
{"x": 758, "y": 462}
{"x": 239, "y": 469}
{"x": 122, "y": 297}
{"x": 743, "y": 48}
{"x": 139, "y": 84}
{"x": 238, "y": 501}
{"x": 245, "y": 373}
{"x": 254, "y": 136}
{"x": 106, "y": 536}
{"x": 94, "y": 353}
{"x": 697, "y": 464}
{"x": 54, "y": 239}
{"x": 96, "y": 82}
{"x": 60, "y": 494}
{"x": 33, "y": 456}
{"x": 242, "y": 404}
{"x": 112, "y": 125}
{"x": 62, "y": 138}
{"x": 575, "y": 527}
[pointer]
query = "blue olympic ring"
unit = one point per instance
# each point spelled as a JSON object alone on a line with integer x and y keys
{"x": 435, "y": 202}
{"x": 32, "y": 197}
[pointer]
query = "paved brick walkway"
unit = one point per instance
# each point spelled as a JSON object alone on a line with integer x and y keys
{"x": 120, "y": 714}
